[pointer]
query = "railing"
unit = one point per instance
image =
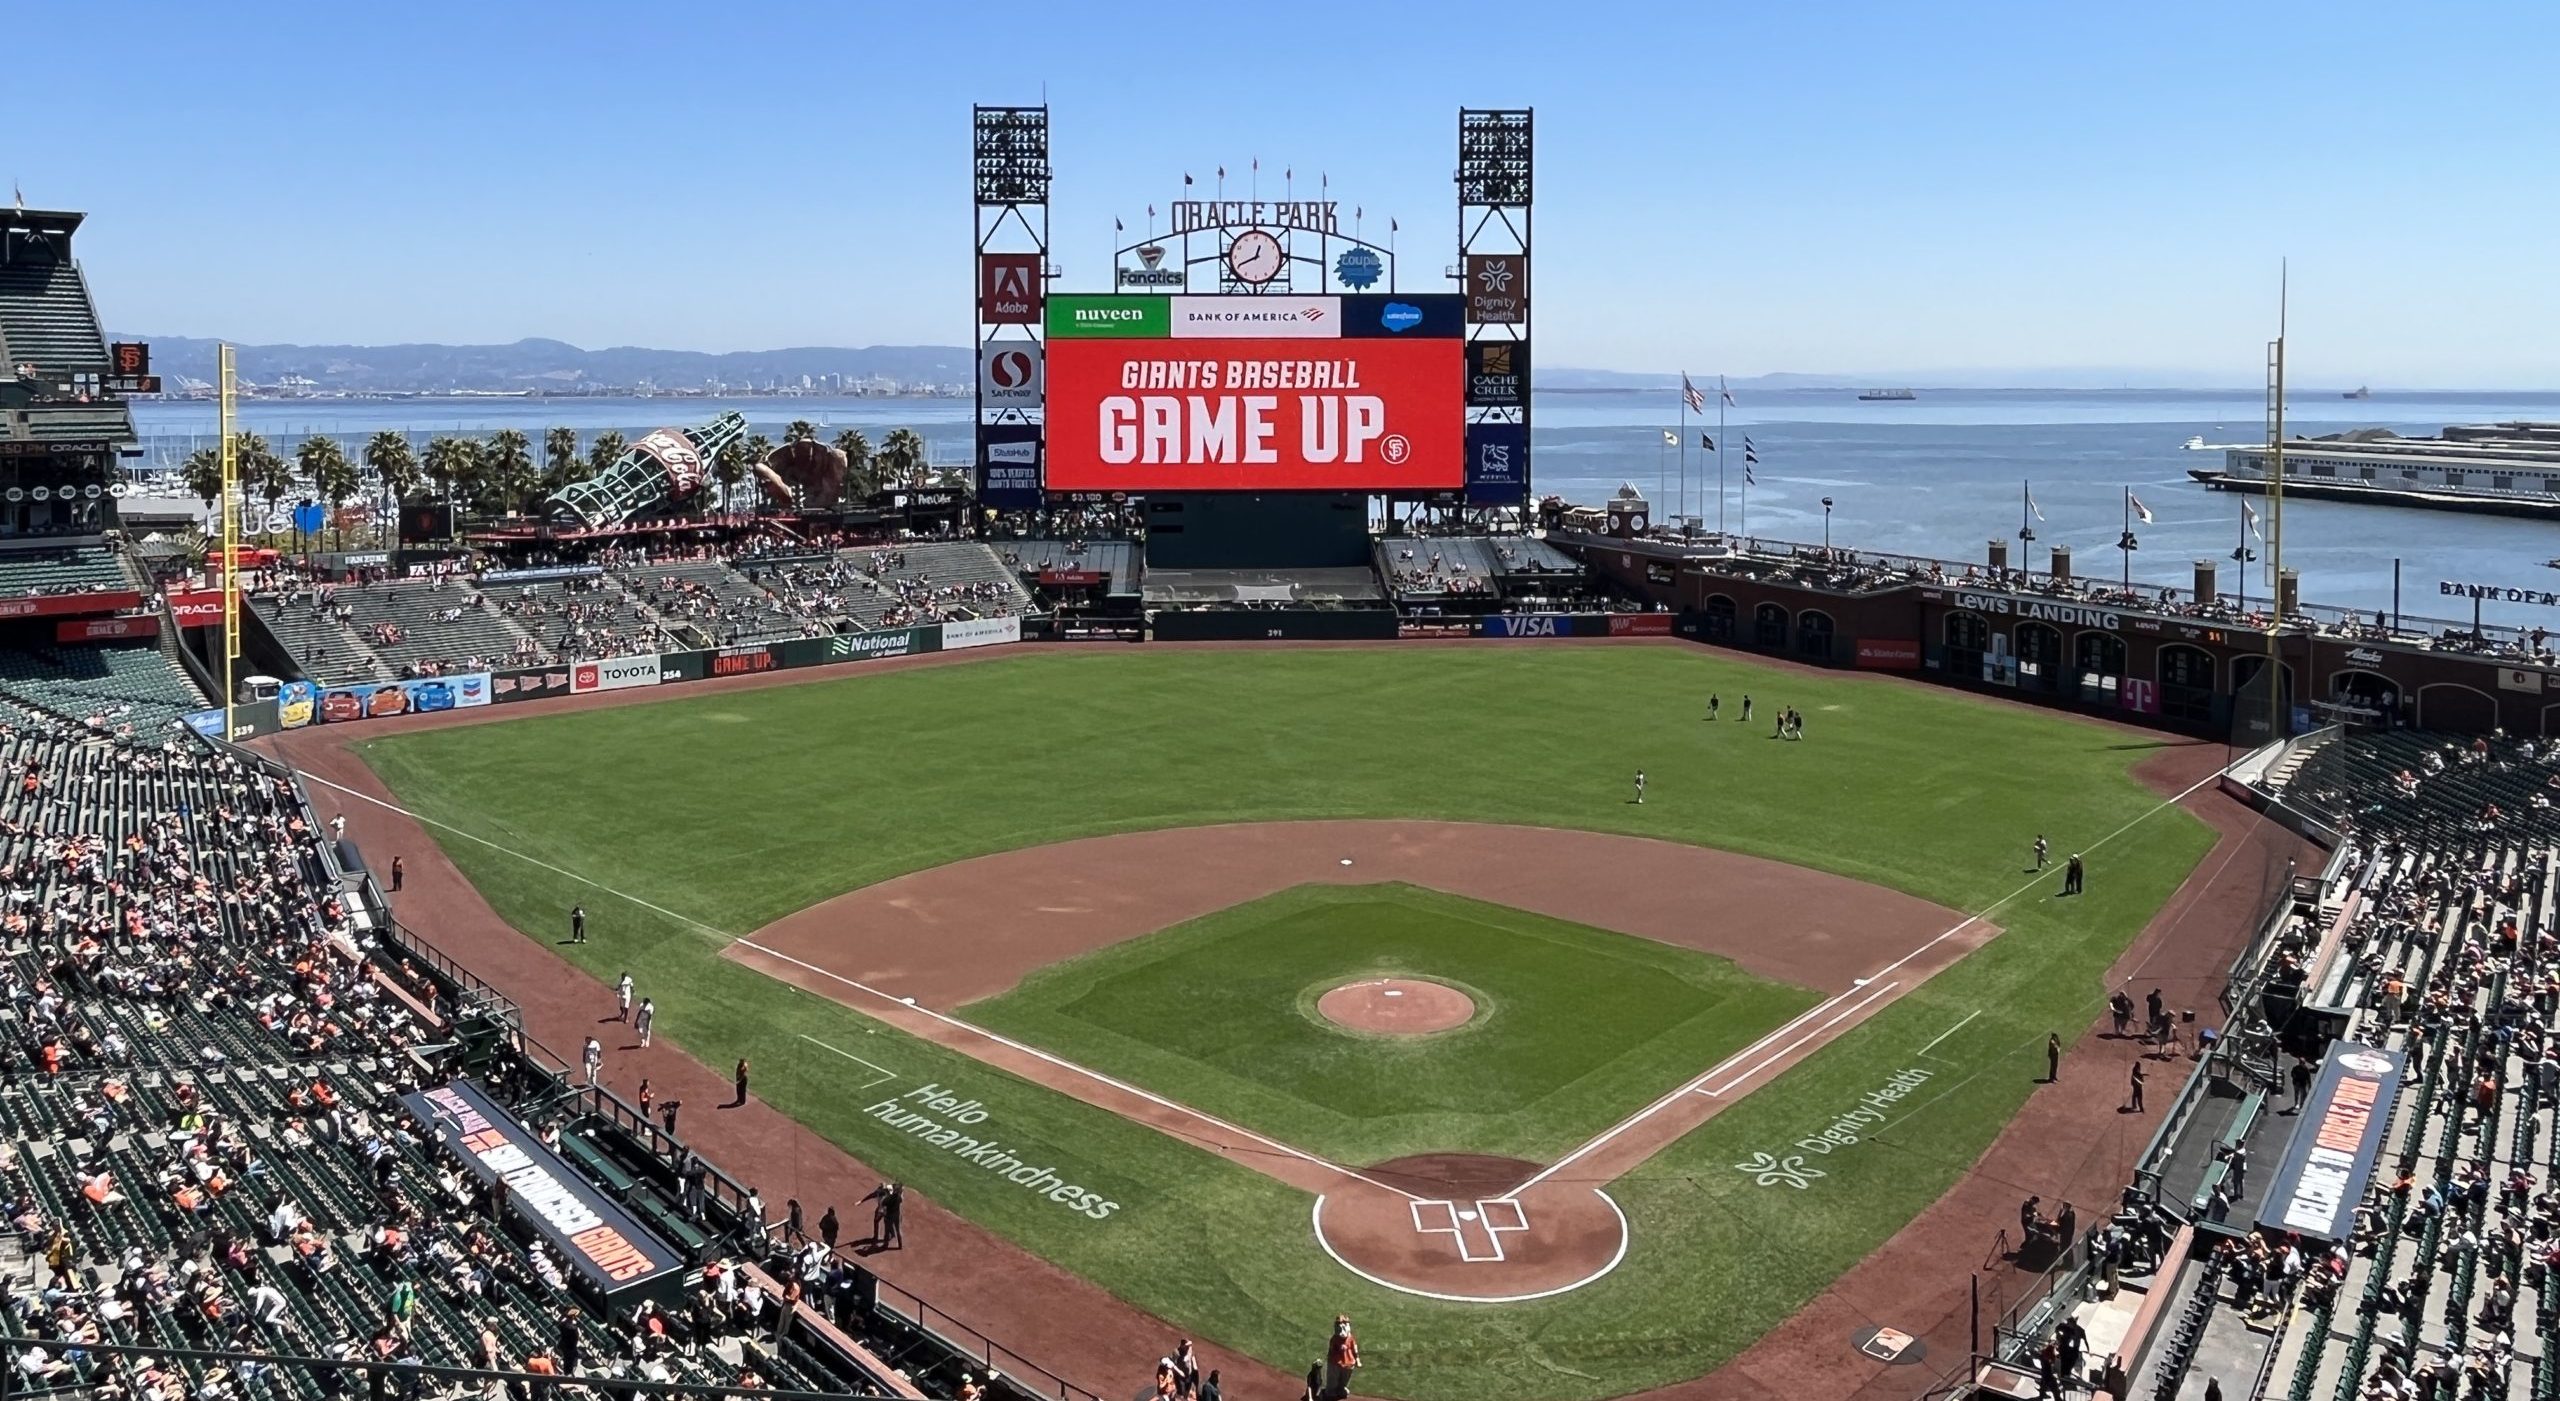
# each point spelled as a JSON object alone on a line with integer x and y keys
{"x": 388, "y": 1379}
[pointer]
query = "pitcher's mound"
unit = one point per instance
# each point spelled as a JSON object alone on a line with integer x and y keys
{"x": 1396, "y": 1006}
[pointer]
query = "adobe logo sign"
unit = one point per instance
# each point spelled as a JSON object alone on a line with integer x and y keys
{"x": 1009, "y": 289}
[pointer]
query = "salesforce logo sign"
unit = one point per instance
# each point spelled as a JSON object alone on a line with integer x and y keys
{"x": 1400, "y": 316}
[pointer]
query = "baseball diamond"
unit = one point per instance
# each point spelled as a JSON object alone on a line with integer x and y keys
{"x": 1069, "y": 988}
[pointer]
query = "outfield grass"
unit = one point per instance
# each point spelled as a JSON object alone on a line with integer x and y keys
{"x": 734, "y": 809}
{"x": 1575, "y": 1027}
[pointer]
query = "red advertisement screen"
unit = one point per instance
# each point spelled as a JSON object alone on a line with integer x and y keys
{"x": 1256, "y": 415}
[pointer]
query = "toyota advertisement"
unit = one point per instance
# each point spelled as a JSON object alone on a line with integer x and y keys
{"x": 1268, "y": 393}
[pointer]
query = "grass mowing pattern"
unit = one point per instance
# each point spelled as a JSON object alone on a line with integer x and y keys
{"x": 735, "y": 809}
{"x": 1575, "y": 1027}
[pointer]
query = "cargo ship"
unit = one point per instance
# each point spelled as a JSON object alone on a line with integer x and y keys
{"x": 1892, "y": 396}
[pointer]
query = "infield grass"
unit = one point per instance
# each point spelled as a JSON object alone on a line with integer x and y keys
{"x": 733, "y": 809}
{"x": 1574, "y": 1028}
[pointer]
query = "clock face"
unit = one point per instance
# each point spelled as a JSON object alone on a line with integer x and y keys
{"x": 1255, "y": 257}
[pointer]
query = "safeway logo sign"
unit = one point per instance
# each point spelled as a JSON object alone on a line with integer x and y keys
{"x": 1009, "y": 288}
{"x": 1009, "y": 375}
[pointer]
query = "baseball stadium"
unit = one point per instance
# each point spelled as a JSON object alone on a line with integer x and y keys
{"x": 1240, "y": 898}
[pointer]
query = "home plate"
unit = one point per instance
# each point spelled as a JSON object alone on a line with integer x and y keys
{"x": 1466, "y": 1216}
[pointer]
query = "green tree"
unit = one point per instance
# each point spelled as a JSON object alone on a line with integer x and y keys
{"x": 606, "y": 450}
{"x": 800, "y": 431}
{"x": 859, "y": 482}
{"x": 729, "y": 465}
{"x": 333, "y": 478}
{"x": 391, "y": 459}
{"x": 507, "y": 469}
{"x": 449, "y": 463}
{"x": 202, "y": 474}
{"x": 561, "y": 463}
{"x": 263, "y": 474}
{"x": 901, "y": 458}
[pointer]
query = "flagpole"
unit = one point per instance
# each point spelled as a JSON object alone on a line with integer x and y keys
{"x": 1684, "y": 447}
{"x": 1722, "y": 397}
{"x": 1658, "y": 458}
{"x": 2128, "y": 539}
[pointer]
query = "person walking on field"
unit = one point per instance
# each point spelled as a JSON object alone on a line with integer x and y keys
{"x": 399, "y": 872}
{"x": 622, "y": 998}
{"x": 645, "y": 1020}
{"x": 1746, "y": 707}
{"x": 2044, "y": 852}
{"x": 2134, "y": 1105}
{"x": 742, "y": 1084}
{"x": 1341, "y": 1358}
{"x": 593, "y": 1058}
{"x": 1639, "y": 785}
{"x": 2074, "y": 875}
{"x": 2053, "y": 1057}
{"x": 577, "y": 924}
{"x": 1714, "y": 702}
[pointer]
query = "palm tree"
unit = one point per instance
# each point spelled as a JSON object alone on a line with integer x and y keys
{"x": 561, "y": 463}
{"x": 901, "y": 458}
{"x": 800, "y": 431}
{"x": 729, "y": 465}
{"x": 605, "y": 451}
{"x": 507, "y": 463}
{"x": 333, "y": 477}
{"x": 858, "y": 481}
{"x": 759, "y": 453}
{"x": 388, "y": 454}
{"x": 261, "y": 471}
{"x": 202, "y": 474}
{"x": 448, "y": 462}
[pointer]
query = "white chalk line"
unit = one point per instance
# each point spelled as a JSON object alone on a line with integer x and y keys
{"x": 884, "y": 1073}
{"x": 1674, "y": 1097}
{"x": 1847, "y": 1013}
{"x": 1950, "y": 1031}
{"x": 1625, "y": 1239}
{"x": 902, "y": 1004}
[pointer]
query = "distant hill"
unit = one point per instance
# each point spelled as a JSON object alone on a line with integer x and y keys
{"x": 553, "y": 366}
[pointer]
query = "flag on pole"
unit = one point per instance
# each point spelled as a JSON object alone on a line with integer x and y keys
{"x": 1750, "y": 458}
{"x": 1117, "y": 226}
{"x": 2032, "y": 508}
{"x": 1690, "y": 396}
{"x": 1707, "y": 442}
{"x": 1391, "y": 225}
{"x": 1670, "y": 439}
{"x": 2249, "y": 516}
{"x": 1186, "y": 177}
{"x": 2141, "y": 512}
{"x": 1222, "y": 172}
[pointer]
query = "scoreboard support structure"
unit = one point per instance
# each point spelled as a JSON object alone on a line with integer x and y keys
{"x": 1495, "y": 178}
{"x": 1009, "y": 193}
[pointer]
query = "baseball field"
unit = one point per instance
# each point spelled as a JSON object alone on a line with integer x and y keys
{"x": 1096, "y": 949}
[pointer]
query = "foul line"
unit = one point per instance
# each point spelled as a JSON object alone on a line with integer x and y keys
{"x": 1790, "y": 1048}
{"x": 1611, "y": 1133}
{"x": 1950, "y": 1031}
{"x": 884, "y": 1072}
{"x": 900, "y": 1003}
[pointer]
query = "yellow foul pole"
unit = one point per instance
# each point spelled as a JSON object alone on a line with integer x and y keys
{"x": 230, "y": 550}
{"x": 2275, "y": 511}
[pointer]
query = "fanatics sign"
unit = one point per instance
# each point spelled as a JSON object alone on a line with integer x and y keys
{"x": 1256, "y": 415}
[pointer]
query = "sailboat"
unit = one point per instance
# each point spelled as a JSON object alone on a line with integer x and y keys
{"x": 2359, "y": 392}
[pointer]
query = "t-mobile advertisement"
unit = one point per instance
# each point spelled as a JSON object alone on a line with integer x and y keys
{"x": 1265, "y": 414}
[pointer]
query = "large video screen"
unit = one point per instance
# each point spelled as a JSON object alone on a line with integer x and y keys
{"x": 1256, "y": 393}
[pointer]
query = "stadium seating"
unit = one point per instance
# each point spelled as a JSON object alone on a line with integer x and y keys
{"x": 60, "y": 572}
{"x": 927, "y": 582}
{"x": 327, "y": 650}
{"x": 198, "y": 1076}
{"x": 131, "y": 685}
{"x": 724, "y": 605}
{"x": 45, "y": 318}
{"x": 417, "y": 625}
{"x": 584, "y": 619}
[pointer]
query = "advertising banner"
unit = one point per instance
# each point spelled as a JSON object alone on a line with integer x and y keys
{"x": 1009, "y": 375}
{"x": 460, "y": 691}
{"x": 201, "y": 609}
{"x": 106, "y": 629}
{"x": 1437, "y": 315}
{"x": 62, "y": 605}
{"x": 728, "y": 661}
{"x": 1119, "y": 318}
{"x": 1256, "y": 318}
{"x": 980, "y": 632}
{"x": 1498, "y": 374}
{"x": 1497, "y": 288}
{"x": 1009, "y": 289}
{"x": 1497, "y": 463}
{"x": 544, "y": 574}
{"x": 865, "y": 646}
{"x": 2336, "y": 1139}
{"x": 1529, "y": 625}
{"x": 508, "y": 687}
{"x": 618, "y": 674}
{"x": 1009, "y": 465}
{"x": 689, "y": 666}
{"x": 614, "y": 1257}
{"x": 297, "y": 704}
{"x": 204, "y": 722}
{"x": 2138, "y": 694}
{"x": 1639, "y": 625}
{"x": 1888, "y": 654}
{"x": 1259, "y": 415}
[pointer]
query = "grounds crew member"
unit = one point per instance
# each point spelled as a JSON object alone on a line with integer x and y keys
{"x": 577, "y": 924}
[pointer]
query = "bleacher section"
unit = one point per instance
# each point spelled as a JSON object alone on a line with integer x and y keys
{"x": 2438, "y": 937}
{"x": 129, "y": 685}
{"x": 580, "y": 619}
{"x": 416, "y": 624}
{"x": 327, "y": 650}
{"x": 45, "y": 318}
{"x": 1116, "y": 558}
{"x": 199, "y": 1071}
{"x": 723, "y": 605}
{"x": 60, "y": 572}
{"x": 926, "y": 582}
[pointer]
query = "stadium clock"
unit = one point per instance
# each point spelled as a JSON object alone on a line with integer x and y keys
{"x": 1255, "y": 257}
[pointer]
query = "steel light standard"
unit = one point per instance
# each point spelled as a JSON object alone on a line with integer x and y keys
{"x": 1826, "y": 525}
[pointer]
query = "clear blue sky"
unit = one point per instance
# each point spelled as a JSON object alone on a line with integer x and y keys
{"x": 1822, "y": 187}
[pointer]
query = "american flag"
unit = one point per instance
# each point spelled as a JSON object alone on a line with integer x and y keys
{"x": 1690, "y": 396}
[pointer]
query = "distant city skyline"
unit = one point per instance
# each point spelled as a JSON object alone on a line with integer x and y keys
{"x": 1844, "y": 191}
